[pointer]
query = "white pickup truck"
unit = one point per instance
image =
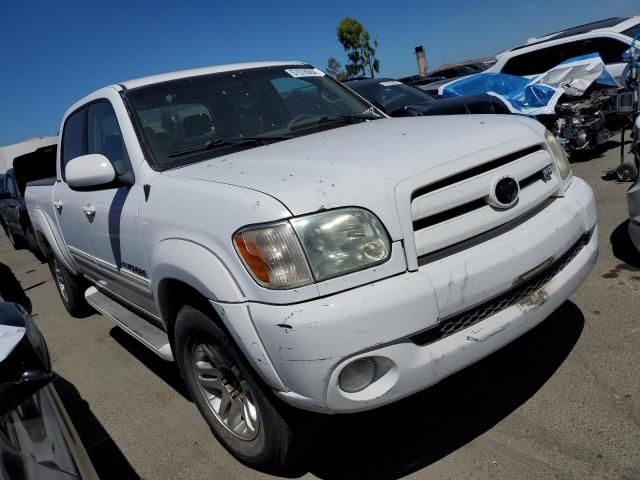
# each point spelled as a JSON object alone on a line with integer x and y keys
{"x": 289, "y": 245}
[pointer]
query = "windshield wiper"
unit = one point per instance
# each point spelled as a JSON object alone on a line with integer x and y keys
{"x": 335, "y": 118}
{"x": 231, "y": 141}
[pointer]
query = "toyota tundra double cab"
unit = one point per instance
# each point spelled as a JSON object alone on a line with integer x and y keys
{"x": 289, "y": 245}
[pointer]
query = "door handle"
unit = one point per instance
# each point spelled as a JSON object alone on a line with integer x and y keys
{"x": 89, "y": 210}
{"x": 58, "y": 204}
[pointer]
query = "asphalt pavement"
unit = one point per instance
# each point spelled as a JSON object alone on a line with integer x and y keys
{"x": 563, "y": 401}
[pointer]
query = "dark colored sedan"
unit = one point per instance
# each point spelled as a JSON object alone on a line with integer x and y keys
{"x": 37, "y": 439}
{"x": 14, "y": 217}
{"x": 397, "y": 99}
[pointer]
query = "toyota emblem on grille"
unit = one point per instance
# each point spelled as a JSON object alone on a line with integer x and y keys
{"x": 504, "y": 192}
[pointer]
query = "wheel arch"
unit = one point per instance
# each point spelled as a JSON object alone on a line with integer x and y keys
{"x": 187, "y": 273}
{"x": 182, "y": 270}
{"x": 47, "y": 240}
{"x": 173, "y": 294}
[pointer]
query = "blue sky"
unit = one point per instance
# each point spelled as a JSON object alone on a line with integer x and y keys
{"x": 54, "y": 52}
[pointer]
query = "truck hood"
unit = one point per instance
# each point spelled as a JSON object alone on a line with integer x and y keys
{"x": 362, "y": 164}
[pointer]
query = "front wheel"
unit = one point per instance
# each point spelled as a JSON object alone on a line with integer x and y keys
{"x": 71, "y": 289}
{"x": 32, "y": 242}
{"x": 241, "y": 412}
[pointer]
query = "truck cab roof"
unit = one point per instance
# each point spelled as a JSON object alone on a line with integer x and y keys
{"x": 195, "y": 72}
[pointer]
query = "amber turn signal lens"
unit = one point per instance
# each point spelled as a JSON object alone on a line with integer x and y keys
{"x": 273, "y": 256}
{"x": 252, "y": 259}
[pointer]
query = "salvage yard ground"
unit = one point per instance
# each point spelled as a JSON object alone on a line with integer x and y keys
{"x": 561, "y": 402}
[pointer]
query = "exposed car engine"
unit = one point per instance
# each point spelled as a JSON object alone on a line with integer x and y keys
{"x": 587, "y": 121}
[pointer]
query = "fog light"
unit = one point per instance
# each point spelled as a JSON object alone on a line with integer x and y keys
{"x": 358, "y": 375}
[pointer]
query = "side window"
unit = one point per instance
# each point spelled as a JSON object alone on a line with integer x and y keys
{"x": 610, "y": 50}
{"x": 73, "y": 142}
{"x": 632, "y": 32}
{"x": 539, "y": 61}
{"x": 104, "y": 135}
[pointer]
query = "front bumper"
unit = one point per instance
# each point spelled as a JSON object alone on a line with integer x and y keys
{"x": 307, "y": 345}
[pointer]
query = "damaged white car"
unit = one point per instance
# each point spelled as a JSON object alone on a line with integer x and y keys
{"x": 286, "y": 244}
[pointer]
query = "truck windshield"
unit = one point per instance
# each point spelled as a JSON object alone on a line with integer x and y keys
{"x": 196, "y": 118}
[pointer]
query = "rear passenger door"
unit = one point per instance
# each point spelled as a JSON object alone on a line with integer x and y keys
{"x": 69, "y": 204}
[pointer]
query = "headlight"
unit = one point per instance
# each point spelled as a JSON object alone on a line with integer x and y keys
{"x": 342, "y": 241}
{"x": 559, "y": 155}
{"x": 312, "y": 248}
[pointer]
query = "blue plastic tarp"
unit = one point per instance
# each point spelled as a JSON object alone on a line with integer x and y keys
{"x": 540, "y": 95}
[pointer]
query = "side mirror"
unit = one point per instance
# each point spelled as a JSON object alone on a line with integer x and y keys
{"x": 88, "y": 171}
{"x": 25, "y": 366}
{"x": 5, "y": 195}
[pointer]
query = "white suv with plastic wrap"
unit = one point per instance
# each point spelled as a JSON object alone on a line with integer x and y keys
{"x": 286, "y": 244}
{"x": 610, "y": 38}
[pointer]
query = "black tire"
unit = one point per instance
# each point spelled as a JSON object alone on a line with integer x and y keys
{"x": 71, "y": 289}
{"x": 627, "y": 172}
{"x": 17, "y": 242}
{"x": 272, "y": 449}
{"x": 34, "y": 247}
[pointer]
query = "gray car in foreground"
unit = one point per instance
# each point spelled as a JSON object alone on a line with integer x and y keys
{"x": 37, "y": 439}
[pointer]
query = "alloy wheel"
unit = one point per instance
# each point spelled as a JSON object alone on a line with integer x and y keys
{"x": 59, "y": 277}
{"x": 226, "y": 393}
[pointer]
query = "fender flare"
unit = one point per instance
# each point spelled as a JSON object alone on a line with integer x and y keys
{"x": 195, "y": 265}
{"x": 201, "y": 269}
{"x": 41, "y": 226}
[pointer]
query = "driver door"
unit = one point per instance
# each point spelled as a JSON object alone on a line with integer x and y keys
{"x": 120, "y": 260}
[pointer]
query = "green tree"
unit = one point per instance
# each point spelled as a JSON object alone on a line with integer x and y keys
{"x": 334, "y": 68}
{"x": 357, "y": 43}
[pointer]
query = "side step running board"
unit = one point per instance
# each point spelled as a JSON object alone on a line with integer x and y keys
{"x": 136, "y": 326}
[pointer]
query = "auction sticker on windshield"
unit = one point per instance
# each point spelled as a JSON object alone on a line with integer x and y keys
{"x": 304, "y": 72}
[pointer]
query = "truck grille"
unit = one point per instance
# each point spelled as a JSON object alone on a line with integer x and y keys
{"x": 460, "y": 321}
{"x": 454, "y": 209}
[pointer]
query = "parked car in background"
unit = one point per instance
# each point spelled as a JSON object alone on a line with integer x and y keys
{"x": 14, "y": 217}
{"x": 397, "y": 99}
{"x": 610, "y": 38}
{"x": 444, "y": 74}
{"x": 450, "y": 71}
{"x": 9, "y": 152}
{"x": 37, "y": 439}
{"x": 433, "y": 88}
{"x": 289, "y": 246}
